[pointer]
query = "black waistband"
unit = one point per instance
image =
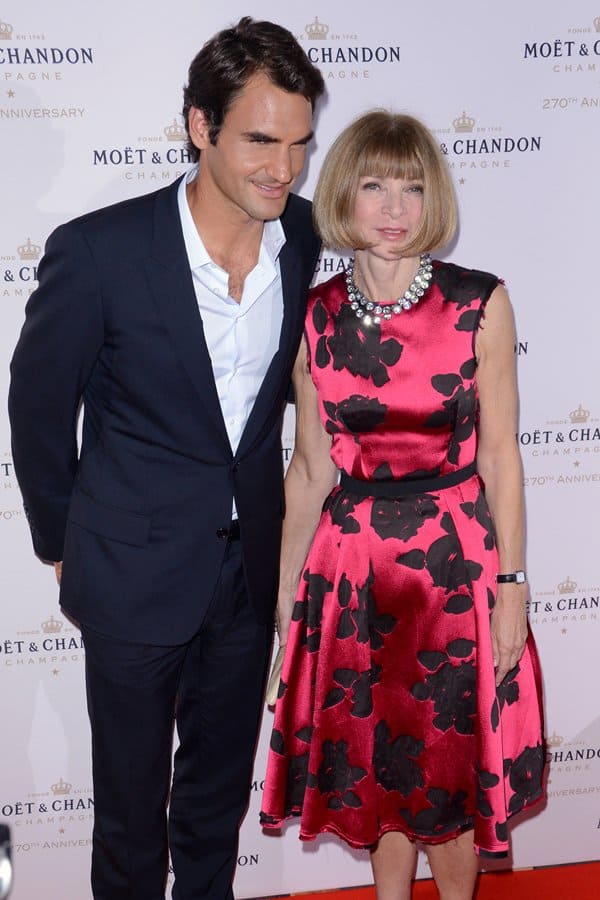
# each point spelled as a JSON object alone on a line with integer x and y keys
{"x": 403, "y": 488}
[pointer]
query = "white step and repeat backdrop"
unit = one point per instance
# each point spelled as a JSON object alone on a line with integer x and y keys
{"x": 89, "y": 114}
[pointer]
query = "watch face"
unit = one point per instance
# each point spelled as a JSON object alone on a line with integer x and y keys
{"x": 520, "y": 579}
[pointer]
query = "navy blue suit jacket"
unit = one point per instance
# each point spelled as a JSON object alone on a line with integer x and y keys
{"x": 135, "y": 515}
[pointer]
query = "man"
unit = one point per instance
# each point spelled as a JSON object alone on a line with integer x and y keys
{"x": 176, "y": 317}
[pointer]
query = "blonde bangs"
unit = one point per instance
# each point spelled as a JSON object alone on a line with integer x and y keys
{"x": 390, "y": 160}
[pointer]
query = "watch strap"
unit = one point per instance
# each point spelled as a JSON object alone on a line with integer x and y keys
{"x": 518, "y": 577}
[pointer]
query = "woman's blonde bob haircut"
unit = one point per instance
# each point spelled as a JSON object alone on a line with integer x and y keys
{"x": 385, "y": 145}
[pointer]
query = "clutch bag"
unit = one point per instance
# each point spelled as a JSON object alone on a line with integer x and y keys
{"x": 275, "y": 678}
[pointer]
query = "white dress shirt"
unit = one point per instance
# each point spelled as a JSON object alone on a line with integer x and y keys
{"x": 243, "y": 337}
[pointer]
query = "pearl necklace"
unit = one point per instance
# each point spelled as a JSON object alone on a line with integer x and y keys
{"x": 371, "y": 312}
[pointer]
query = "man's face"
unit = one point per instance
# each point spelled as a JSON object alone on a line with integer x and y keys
{"x": 259, "y": 152}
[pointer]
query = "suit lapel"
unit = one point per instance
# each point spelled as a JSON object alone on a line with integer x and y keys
{"x": 293, "y": 311}
{"x": 171, "y": 284}
{"x": 172, "y": 287}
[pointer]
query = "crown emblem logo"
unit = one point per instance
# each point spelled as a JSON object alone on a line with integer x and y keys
{"x": 6, "y": 31}
{"x": 579, "y": 415}
{"x": 317, "y": 31}
{"x": 597, "y": 23}
{"x": 174, "y": 132}
{"x": 52, "y": 626}
{"x": 567, "y": 586}
{"x": 29, "y": 250}
{"x": 555, "y": 740}
{"x": 61, "y": 787}
{"x": 463, "y": 123}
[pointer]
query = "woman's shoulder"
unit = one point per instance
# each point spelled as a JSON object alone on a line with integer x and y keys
{"x": 464, "y": 285}
{"x": 331, "y": 291}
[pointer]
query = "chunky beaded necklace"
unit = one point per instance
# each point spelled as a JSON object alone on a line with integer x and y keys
{"x": 371, "y": 312}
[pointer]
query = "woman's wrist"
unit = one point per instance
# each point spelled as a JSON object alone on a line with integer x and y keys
{"x": 518, "y": 576}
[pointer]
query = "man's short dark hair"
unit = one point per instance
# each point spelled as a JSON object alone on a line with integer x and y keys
{"x": 228, "y": 60}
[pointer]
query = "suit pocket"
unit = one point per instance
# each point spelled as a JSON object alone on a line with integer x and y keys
{"x": 109, "y": 522}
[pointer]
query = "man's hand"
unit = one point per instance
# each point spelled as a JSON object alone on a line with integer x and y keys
{"x": 58, "y": 571}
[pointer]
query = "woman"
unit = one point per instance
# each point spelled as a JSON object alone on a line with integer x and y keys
{"x": 409, "y": 706}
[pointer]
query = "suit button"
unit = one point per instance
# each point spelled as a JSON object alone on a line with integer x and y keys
{"x": 236, "y": 466}
{"x": 222, "y": 533}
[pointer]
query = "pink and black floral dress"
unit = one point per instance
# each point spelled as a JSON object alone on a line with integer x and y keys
{"x": 388, "y": 716}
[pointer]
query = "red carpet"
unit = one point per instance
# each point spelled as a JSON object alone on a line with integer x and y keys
{"x": 577, "y": 882}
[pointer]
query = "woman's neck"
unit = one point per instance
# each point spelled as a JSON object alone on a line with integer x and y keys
{"x": 383, "y": 280}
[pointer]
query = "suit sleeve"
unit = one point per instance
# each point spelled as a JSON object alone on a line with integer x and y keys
{"x": 314, "y": 257}
{"x": 52, "y": 362}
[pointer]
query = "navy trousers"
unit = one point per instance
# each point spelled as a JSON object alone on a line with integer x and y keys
{"x": 212, "y": 689}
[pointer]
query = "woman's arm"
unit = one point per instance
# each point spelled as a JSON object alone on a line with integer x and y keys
{"x": 310, "y": 477}
{"x": 499, "y": 464}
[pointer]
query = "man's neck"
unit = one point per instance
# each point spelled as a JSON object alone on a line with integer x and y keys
{"x": 232, "y": 239}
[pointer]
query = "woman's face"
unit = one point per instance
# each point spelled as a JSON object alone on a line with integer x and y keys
{"x": 387, "y": 212}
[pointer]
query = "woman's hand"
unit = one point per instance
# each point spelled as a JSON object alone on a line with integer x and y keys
{"x": 283, "y": 616}
{"x": 509, "y": 628}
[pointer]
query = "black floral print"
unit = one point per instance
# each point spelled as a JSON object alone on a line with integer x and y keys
{"x": 485, "y": 781}
{"x": 481, "y": 511}
{"x": 357, "y": 414}
{"x": 297, "y": 776}
{"x": 445, "y": 813}
{"x": 277, "y": 742}
{"x": 525, "y": 777}
{"x": 394, "y": 761}
{"x": 459, "y": 412}
{"x": 458, "y": 604}
{"x": 311, "y": 610}
{"x": 506, "y": 693}
{"x": 357, "y": 685}
{"x": 319, "y": 317}
{"x": 468, "y": 321}
{"x": 336, "y": 777}
{"x": 365, "y": 622}
{"x": 360, "y": 351}
{"x": 501, "y": 831}
{"x": 451, "y": 686}
{"x": 444, "y": 560}
{"x": 402, "y": 518}
{"x": 460, "y": 287}
{"x": 297, "y": 780}
{"x": 340, "y": 507}
{"x": 508, "y": 690}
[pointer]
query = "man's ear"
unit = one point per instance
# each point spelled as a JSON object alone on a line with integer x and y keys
{"x": 199, "y": 128}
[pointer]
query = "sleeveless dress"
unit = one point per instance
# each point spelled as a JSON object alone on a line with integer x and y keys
{"x": 388, "y": 717}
